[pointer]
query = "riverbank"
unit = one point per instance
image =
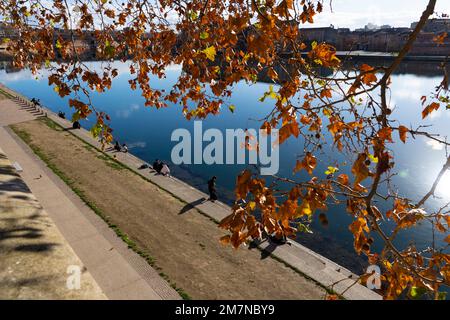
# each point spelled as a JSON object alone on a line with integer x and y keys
{"x": 297, "y": 257}
{"x": 183, "y": 244}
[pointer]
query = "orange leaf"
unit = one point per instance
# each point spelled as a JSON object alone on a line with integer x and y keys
{"x": 429, "y": 109}
{"x": 402, "y": 130}
{"x": 447, "y": 239}
{"x": 309, "y": 163}
{"x": 343, "y": 179}
{"x": 385, "y": 134}
{"x": 360, "y": 170}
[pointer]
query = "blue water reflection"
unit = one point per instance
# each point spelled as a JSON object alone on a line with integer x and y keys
{"x": 147, "y": 132}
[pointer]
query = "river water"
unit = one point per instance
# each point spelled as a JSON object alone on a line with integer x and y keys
{"x": 147, "y": 132}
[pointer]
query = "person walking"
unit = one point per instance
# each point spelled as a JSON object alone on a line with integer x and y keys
{"x": 212, "y": 189}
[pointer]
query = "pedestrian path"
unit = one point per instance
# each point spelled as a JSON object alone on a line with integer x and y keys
{"x": 36, "y": 261}
{"x": 118, "y": 271}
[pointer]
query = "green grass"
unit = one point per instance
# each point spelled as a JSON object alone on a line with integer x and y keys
{"x": 25, "y": 136}
{"x": 109, "y": 162}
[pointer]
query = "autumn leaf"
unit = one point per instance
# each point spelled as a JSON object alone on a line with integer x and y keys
{"x": 331, "y": 170}
{"x": 368, "y": 76}
{"x": 360, "y": 169}
{"x": 304, "y": 209}
{"x": 272, "y": 74}
{"x": 429, "y": 109}
{"x": 326, "y": 93}
{"x": 372, "y": 158}
{"x": 210, "y": 53}
{"x": 439, "y": 39}
{"x": 308, "y": 163}
{"x": 447, "y": 239}
{"x": 242, "y": 184}
{"x": 385, "y": 134}
{"x": 402, "y": 130}
{"x": 343, "y": 179}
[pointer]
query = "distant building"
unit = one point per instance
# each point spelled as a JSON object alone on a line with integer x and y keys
{"x": 435, "y": 25}
{"x": 383, "y": 39}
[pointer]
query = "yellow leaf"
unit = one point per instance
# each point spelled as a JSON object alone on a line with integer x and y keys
{"x": 210, "y": 53}
{"x": 373, "y": 158}
{"x": 331, "y": 170}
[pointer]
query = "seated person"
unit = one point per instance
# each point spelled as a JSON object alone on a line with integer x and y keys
{"x": 76, "y": 125}
{"x": 124, "y": 148}
{"x": 165, "y": 171}
{"x": 278, "y": 239}
{"x": 61, "y": 115}
{"x": 157, "y": 165}
{"x": 117, "y": 146}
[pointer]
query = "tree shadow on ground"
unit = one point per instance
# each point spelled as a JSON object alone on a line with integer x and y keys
{"x": 16, "y": 184}
{"x": 20, "y": 232}
{"x": 36, "y": 247}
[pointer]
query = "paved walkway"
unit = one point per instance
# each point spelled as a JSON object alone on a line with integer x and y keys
{"x": 313, "y": 265}
{"x": 119, "y": 272}
{"x": 36, "y": 261}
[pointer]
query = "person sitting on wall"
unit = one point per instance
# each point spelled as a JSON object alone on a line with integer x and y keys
{"x": 124, "y": 148}
{"x": 157, "y": 165}
{"x": 278, "y": 239}
{"x": 61, "y": 115}
{"x": 165, "y": 171}
{"x": 76, "y": 125}
{"x": 117, "y": 146}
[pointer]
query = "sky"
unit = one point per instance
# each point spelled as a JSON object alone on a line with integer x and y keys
{"x": 357, "y": 13}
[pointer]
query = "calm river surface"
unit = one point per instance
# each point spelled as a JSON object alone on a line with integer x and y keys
{"x": 148, "y": 132}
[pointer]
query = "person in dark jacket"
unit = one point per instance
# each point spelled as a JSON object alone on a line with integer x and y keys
{"x": 212, "y": 189}
{"x": 76, "y": 125}
{"x": 117, "y": 146}
{"x": 157, "y": 166}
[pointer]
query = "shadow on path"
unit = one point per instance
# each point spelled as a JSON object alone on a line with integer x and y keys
{"x": 191, "y": 205}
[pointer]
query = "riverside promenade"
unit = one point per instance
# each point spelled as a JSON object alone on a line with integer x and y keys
{"x": 297, "y": 257}
{"x": 35, "y": 257}
{"x": 45, "y": 228}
